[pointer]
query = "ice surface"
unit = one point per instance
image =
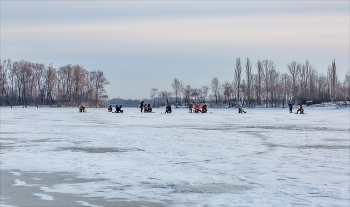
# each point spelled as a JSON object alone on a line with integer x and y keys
{"x": 5, "y": 205}
{"x": 43, "y": 196}
{"x": 267, "y": 157}
{"x": 83, "y": 203}
{"x": 19, "y": 183}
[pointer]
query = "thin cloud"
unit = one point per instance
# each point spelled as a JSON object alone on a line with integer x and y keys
{"x": 317, "y": 30}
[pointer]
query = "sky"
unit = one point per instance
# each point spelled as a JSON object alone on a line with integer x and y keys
{"x": 140, "y": 45}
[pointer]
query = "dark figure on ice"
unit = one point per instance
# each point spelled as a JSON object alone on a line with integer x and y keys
{"x": 149, "y": 108}
{"x": 204, "y": 108}
{"x": 240, "y": 109}
{"x": 190, "y": 106}
{"x": 168, "y": 109}
{"x": 300, "y": 109}
{"x": 290, "y": 105}
{"x": 118, "y": 109}
{"x": 141, "y": 106}
{"x": 110, "y": 108}
{"x": 82, "y": 108}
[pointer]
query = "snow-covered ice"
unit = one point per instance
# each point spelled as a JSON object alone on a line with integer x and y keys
{"x": 19, "y": 183}
{"x": 267, "y": 157}
{"x": 43, "y": 196}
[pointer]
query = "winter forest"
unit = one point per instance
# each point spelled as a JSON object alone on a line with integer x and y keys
{"x": 26, "y": 83}
{"x": 266, "y": 88}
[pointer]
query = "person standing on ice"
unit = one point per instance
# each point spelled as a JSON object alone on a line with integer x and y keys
{"x": 190, "y": 106}
{"x": 141, "y": 106}
{"x": 290, "y": 104}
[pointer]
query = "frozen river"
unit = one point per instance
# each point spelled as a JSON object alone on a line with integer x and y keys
{"x": 266, "y": 157}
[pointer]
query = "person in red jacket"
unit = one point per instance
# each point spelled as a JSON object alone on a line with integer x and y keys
{"x": 197, "y": 108}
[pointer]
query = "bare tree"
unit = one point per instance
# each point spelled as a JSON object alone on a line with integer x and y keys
{"x": 3, "y": 82}
{"x": 23, "y": 71}
{"x": 187, "y": 93}
{"x": 153, "y": 95}
{"x": 80, "y": 85}
{"x": 274, "y": 86}
{"x": 39, "y": 70}
{"x": 12, "y": 78}
{"x": 50, "y": 87}
{"x": 205, "y": 90}
{"x": 165, "y": 95}
{"x": 215, "y": 87}
{"x": 98, "y": 80}
{"x": 197, "y": 94}
{"x": 238, "y": 72}
{"x": 268, "y": 67}
{"x": 286, "y": 86}
{"x": 258, "y": 80}
{"x": 65, "y": 74}
{"x": 294, "y": 70}
{"x": 249, "y": 77}
{"x": 313, "y": 85}
{"x": 304, "y": 79}
{"x": 332, "y": 73}
{"x": 323, "y": 88}
{"x": 347, "y": 83}
{"x": 228, "y": 92}
{"x": 177, "y": 86}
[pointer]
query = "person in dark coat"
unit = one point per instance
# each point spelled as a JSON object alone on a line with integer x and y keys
{"x": 168, "y": 109}
{"x": 290, "y": 104}
{"x": 149, "y": 108}
{"x": 82, "y": 108}
{"x": 190, "y": 107}
{"x": 141, "y": 105}
{"x": 204, "y": 108}
{"x": 118, "y": 109}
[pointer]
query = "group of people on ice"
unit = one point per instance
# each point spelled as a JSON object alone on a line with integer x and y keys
{"x": 197, "y": 108}
{"x": 118, "y": 109}
{"x": 193, "y": 108}
{"x": 146, "y": 108}
{"x": 300, "y": 109}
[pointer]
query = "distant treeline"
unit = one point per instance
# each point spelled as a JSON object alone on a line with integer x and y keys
{"x": 26, "y": 83}
{"x": 136, "y": 102}
{"x": 267, "y": 87}
{"x": 124, "y": 102}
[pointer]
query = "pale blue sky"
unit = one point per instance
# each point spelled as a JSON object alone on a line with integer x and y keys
{"x": 140, "y": 45}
